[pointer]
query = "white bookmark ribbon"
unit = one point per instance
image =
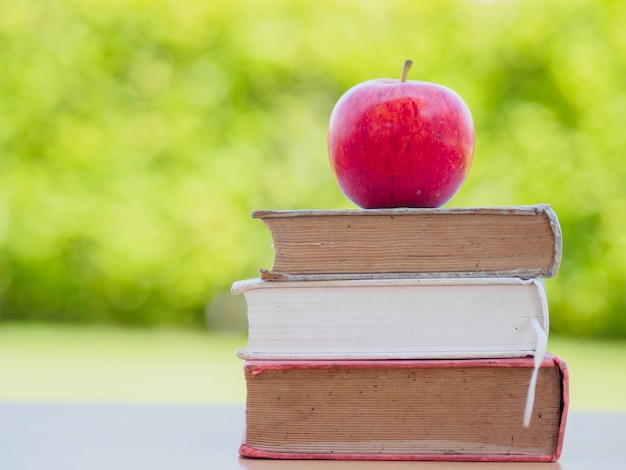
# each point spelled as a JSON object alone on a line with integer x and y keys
{"x": 540, "y": 352}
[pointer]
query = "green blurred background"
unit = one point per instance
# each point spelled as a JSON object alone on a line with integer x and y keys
{"x": 136, "y": 137}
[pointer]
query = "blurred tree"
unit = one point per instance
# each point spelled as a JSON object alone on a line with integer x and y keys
{"x": 136, "y": 137}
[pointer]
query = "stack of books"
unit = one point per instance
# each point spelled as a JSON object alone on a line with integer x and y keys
{"x": 405, "y": 334}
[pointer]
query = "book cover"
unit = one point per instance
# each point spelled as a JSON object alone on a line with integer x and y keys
{"x": 448, "y": 410}
{"x": 394, "y": 318}
{"x": 522, "y": 241}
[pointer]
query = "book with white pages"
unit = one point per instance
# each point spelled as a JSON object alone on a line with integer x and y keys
{"x": 395, "y": 318}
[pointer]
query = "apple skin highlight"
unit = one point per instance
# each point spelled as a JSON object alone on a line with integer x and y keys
{"x": 395, "y": 143}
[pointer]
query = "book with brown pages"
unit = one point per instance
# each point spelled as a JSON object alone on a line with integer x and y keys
{"x": 394, "y": 318}
{"x": 458, "y": 410}
{"x": 522, "y": 241}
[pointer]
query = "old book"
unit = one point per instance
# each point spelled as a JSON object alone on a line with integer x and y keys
{"x": 466, "y": 409}
{"x": 523, "y": 241}
{"x": 394, "y": 318}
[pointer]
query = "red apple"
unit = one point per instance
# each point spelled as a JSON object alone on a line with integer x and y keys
{"x": 398, "y": 143}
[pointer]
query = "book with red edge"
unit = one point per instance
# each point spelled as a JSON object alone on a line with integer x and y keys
{"x": 440, "y": 410}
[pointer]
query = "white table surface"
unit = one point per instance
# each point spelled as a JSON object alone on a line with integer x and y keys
{"x": 118, "y": 437}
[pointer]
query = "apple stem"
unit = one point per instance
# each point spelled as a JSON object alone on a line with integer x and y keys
{"x": 405, "y": 69}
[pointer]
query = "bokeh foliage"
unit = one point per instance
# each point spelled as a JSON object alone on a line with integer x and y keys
{"x": 136, "y": 137}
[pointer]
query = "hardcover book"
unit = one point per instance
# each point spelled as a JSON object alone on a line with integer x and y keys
{"x": 522, "y": 241}
{"x": 460, "y": 410}
{"x": 394, "y": 318}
